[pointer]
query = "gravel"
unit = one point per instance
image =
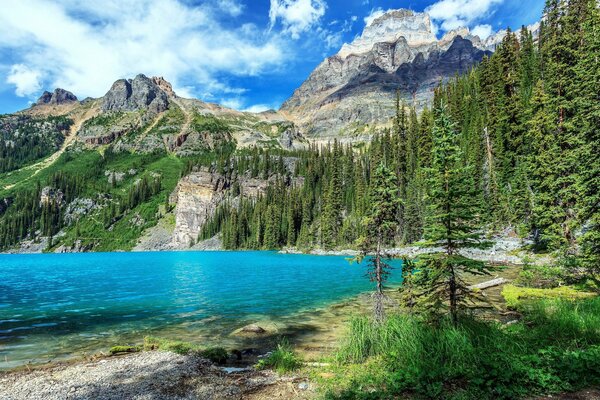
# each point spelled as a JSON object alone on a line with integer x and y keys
{"x": 147, "y": 375}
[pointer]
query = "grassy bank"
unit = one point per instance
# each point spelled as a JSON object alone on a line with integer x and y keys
{"x": 555, "y": 347}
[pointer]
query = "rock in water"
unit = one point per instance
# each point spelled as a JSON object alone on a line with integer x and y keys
{"x": 253, "y": 328}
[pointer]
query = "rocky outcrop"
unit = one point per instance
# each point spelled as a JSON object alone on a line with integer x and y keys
{"x": 164, "y": 85}
{"x": 197, "y": 197}
{"x": 79, "y": 208}
{"x": 354, "y": 90}
{"x": 59, "y": 96}
{"x": 4, "y": 204}
{"x": 135, "y": 94}
{"x": 50, "y": 195}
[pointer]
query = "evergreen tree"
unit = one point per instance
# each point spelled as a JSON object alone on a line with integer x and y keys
{"x": 451, "y": 223}
{"x": 380, "y": 225}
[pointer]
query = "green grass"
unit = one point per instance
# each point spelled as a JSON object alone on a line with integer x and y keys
{"x": 124, "y": 349}
{"x": 283, "y": 359}
{"x": 217, "y": 355}
{"x": 175, "y": 346}
{"x": 556, "y": 347}
{"x": 517, "y": 297}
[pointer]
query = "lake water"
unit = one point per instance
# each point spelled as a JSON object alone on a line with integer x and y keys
{"x": 55, "y": 306}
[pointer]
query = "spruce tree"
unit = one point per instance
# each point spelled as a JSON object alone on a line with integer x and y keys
{"x": 450, "y": 223}
{"x": 380, "y": 226}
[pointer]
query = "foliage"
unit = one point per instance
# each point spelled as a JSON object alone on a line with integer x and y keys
{"x": 124, "y": 349}
{"x": 282, "y": 359}
{"x": 217, "y": 355}
{"x": 516, "y": 296}
{"x": 175, "y": 346}
{"x": 380, "y": 225}
{"x": 208, "y": 123}
{"x": 439, "y": 278}
{"x": 555, "y": 348}
{"x": 26, "y": 139}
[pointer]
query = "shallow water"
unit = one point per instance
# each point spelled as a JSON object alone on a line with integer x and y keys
{"x": 55, "y": 306}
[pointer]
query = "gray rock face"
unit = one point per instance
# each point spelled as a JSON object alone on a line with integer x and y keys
{"x": 197, "y": 196}
{"x": 79, "y": 208}
{"x": 4, "y": 204}
{"x": 50, "y": 195}
{"x": 59, "y": 96}
{"x": 139, "y": 93}
{"x": 355, "y": 89}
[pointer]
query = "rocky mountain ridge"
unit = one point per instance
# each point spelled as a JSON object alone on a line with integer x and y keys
{"x": 353, "y": 91}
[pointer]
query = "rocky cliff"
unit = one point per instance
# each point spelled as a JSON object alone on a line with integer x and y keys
{"x": 59, "y": 96}
{"x": 197, "y": 197}
{"x": 135, "y": 94}
{"x": 354, "y": 90}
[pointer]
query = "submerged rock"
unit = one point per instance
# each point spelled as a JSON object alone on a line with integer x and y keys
{"x": 253, "y": 328}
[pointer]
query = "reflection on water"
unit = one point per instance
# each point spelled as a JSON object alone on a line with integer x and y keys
{"x": 56, "y": 306}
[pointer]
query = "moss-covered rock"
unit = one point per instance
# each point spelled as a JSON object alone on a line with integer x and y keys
{"x": 176, "y": 346}
{"x": 124, "y": 349}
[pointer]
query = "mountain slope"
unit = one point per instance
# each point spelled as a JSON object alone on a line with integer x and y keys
{"x": 354, "y": 89}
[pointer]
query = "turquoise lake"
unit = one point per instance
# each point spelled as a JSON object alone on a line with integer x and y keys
{"x": 55, "y": 306}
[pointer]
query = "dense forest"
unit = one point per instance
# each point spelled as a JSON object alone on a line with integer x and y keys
{"x": 25, "y": 139}
{"x": 526, "y": 120}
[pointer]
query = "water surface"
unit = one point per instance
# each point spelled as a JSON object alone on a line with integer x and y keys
{"x": 63, "y": 305}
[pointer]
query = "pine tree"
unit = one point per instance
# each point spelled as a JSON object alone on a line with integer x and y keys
{"x": 450, "y": 223}
{"x": 380, "y": 225}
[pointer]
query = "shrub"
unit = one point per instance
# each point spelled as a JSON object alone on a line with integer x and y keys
{"x": 217, "y": 355}
{"x": 282, "y": 359}
{"x": 555, "y": 348}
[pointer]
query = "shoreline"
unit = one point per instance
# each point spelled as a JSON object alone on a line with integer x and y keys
{"x": 314, "y": 332}
{"x": 151, "y": 373}
{"x": 504, "y": 250}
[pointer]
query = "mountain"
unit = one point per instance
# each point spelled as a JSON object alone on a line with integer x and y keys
{"x": 144, "y": 114}
{"x": 354, "y": 90}
{"x": 104, "y": 168}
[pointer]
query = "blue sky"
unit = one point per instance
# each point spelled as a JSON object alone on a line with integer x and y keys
{"x": 245, "y": 54}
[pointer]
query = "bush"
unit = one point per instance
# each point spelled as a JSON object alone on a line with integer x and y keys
{"x": 555, "y": 348}
{"x": 217, "y": 355}
{"x": 283, "y": 359}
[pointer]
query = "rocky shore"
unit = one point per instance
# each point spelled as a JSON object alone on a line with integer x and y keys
{"x": 150, "y": 375}
{"x": 503, "y": 250}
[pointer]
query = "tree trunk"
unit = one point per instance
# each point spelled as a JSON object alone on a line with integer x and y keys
{"x": 453, "y": 297}
{"x": 378, "y": 311}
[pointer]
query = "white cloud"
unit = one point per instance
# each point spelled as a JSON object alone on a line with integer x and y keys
{"x": 373, "y": 15}
{"x": 25, "y": 79}
{"x": 452, "y": 14}
{"x": 296, "y": 16}
{"x": 234, "y": 103}
{"x": 232, "y": 7}
{"x": 84, "y": 46}
{"x": 257, "y": 108}
{"x": 483, "y": 31}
